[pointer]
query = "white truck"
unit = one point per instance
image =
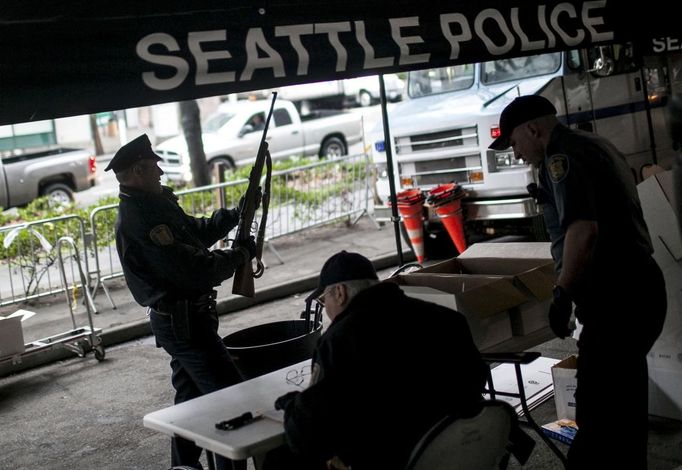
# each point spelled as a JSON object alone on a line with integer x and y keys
{"x": 335, "y": 94}
{"x": 441, "y": 133}
{"x": 231, "y": 136}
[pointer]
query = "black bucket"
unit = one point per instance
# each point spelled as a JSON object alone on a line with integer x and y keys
{"x": 265, "y": 348}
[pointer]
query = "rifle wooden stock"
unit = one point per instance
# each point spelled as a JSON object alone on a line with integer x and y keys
{"x": 243, "y": 276}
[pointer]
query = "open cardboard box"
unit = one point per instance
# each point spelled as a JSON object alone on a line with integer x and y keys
{"x": 486, "y": 285}
{"x": 565, "y": 383}
{"x": 665, "y": 365}
{"x": 488, "y": 326}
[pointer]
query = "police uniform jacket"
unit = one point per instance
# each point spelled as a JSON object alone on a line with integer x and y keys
{"x": 164, "y": 252}
{"x": 386, "y": 370}
{"x": 584, "y": 177}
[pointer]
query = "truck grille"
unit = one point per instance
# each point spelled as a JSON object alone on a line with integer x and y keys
{"x": 445, "y": 170}
{"x": 169, "y": 158}
{"x": 466, "y": 136}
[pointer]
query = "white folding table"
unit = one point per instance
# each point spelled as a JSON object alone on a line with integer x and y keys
{"x": 195, "y": 419}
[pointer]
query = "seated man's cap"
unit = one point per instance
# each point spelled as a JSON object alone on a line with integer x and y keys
{"x": 137, "y": 149}
{"x": 344, "y": 266}
{"x": 522, "y": 109}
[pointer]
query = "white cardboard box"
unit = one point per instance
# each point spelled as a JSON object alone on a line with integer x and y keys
{"x": 495, "y": 277}
{"x": 12, "y": 334}
{"x": 565, "y": 383}
{"x": 665, "y": 357}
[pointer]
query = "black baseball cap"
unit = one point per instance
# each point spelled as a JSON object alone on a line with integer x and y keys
{"x": 137, "y": 149}
{"x": 522, "y": 109}
{"x": 344, "y": 266}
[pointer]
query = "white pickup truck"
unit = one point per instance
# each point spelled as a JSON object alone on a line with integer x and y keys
{"x": 231, "y": 136}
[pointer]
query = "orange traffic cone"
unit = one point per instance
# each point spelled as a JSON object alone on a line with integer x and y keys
{"x": 410, "y": 204}
{"x": 446, "y": 200}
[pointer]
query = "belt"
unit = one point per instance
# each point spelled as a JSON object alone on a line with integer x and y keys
{"x": 167, "y": 306}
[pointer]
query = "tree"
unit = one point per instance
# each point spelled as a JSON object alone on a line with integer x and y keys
{"x": 94, "y": 130}
{"x": 190, "y": 118}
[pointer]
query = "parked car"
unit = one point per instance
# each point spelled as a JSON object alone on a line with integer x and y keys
{"x": 56, "y": 173}
{"x": 231, "y": 136}
{"x": 364, "y": 91}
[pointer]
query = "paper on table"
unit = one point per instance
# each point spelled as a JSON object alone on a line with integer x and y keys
{"x": 537, "y": 378}
{"x": 273, "y": 414}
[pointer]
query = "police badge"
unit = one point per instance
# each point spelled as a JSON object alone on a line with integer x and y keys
{"x": 162, "y": 235}
{"x": 557, "y": 166}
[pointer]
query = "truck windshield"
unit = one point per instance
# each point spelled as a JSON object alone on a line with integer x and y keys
{"x": 517, "y": 68}
{"x": 215, "y": 122}
{"x": 442, "y": 80}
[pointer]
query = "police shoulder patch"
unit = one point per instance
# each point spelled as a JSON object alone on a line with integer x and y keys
{"x": 557, "y": 167}
{"x": 162, "y": 235}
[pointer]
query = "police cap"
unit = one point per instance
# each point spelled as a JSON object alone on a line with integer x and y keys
{"x": 137, "y": 149}
{"x": 522, "y": 109}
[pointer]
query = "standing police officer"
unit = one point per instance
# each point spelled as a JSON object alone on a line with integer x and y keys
{"x": 169, "y": 268}
{"x": 602, "y": 252}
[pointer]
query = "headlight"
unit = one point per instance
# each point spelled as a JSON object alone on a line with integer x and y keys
{"x": 500, "y": 161}
{"x": 382, "y": 171}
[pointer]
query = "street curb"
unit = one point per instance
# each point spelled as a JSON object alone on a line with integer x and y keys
{"x": 141, "y": 328}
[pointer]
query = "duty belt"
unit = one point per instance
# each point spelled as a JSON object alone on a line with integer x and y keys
{"x": 204, "y": 302}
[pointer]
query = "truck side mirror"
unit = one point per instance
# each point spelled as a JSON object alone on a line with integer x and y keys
{"x": 603, "y": 65}
{"x": 245, "y": 130}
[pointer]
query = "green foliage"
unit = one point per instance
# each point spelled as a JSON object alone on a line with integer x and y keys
{"x": 28, "y": 249}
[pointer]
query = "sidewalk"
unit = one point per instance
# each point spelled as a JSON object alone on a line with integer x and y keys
{"x": 303, "y": 255}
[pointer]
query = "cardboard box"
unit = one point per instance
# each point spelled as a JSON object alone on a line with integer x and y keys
{"x": 11, "y": 336}
{"x": 487, "y": 329}
{"x": 514, "y": 277}
{"x": 565, "y": 383}
{"x": 529, "y": 316}
{"x": 665, "y": 357}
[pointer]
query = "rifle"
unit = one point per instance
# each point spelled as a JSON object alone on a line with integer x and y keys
{"x": 243, "y": 277}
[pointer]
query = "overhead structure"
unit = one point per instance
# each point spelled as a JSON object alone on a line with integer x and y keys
{"x": 76, "y": 57}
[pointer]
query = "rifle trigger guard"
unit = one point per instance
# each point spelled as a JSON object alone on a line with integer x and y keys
{"x": 260, "y": 269}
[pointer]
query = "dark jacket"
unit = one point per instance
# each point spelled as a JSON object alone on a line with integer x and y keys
{"x": 386, "y": 370}
{"x": 164, "y": 252}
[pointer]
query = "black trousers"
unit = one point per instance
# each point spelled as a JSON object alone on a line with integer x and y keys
{"x": 201, "y": 364}
{"x": 621, "y": 321}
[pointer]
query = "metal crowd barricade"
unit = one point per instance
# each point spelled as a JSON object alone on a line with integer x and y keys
{"x": 29, "y": 270}
{"x": 317, "y": 194}
{"x": 80, "y": 339}
{"x": 304, "y": 197}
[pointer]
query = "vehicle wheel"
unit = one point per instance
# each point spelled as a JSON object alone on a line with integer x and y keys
{"x": 100, "y": 353}
{"x": 333, "y": 147}
{"x": 59, "y": 194}
{"x": 364, "y": 98}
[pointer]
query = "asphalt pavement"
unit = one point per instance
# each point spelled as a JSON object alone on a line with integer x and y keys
{"x": 68, "y": 412}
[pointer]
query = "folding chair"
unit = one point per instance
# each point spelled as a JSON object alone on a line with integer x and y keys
{"x": 479, "y": 441}
{"x": 517, "y": 359}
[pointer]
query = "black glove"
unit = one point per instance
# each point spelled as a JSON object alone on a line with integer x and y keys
{"x": 560, "y": 312}
{"x": 282, "y": 402}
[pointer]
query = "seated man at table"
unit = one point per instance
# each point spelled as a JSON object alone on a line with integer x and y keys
{"x": 387, "y": 368}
